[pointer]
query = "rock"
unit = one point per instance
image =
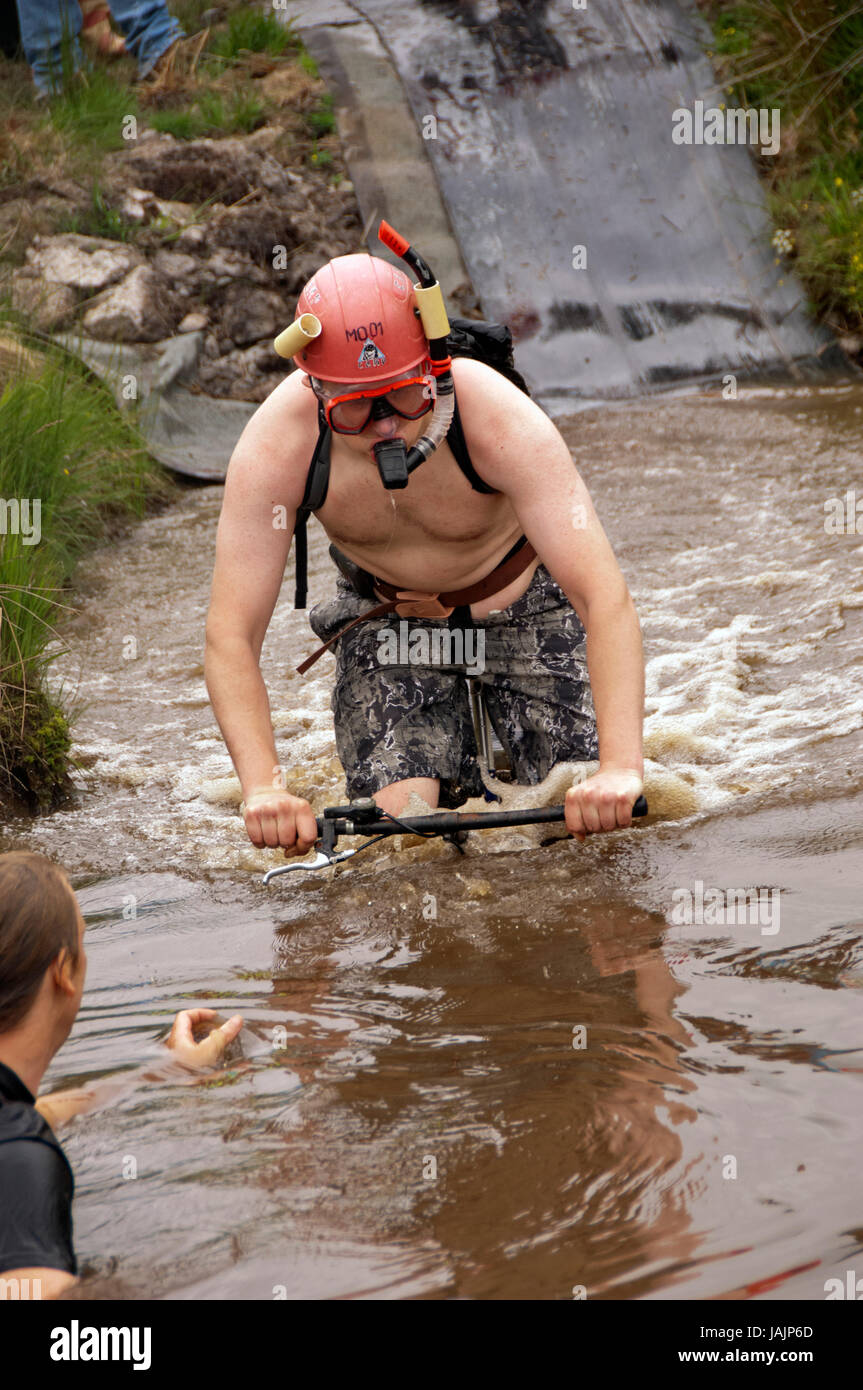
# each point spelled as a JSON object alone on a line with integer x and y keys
{"x": 175, "y": 265}
{"x": 264, "y": 138}
{"x": 181, "y": 213}
{"x": 241, "y": 375}
{"x": 193, "y": 322}
{"x": 69, "y": 189}
{"x": 226, "y": 265}
{"x": 851, "y": 343}
{"x": 258, "y": 391}
{"x": 82, "y": 262}
{"x": 139, "y": 205}
{"x": 247, "y": 315}
{"x": 137, "y": 310}
{"x": 256, "y": 229}
{"x": 217, "y": 375}
{"x": 268, "y": 360}
{"x": 191, "y": 237}
{"x": 302, "y": 268}
{"x": 198, "y": 170}
{"x": 47, "y": 303}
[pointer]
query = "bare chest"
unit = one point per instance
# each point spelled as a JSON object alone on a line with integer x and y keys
{"x": 438, "y": 506}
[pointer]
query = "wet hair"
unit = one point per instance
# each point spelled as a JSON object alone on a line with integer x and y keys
{"x": 38, "y": 919}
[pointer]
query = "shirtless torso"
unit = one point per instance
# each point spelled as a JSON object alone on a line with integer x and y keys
{"x": 437, "y": 534}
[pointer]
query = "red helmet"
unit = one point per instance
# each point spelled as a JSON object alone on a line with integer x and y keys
{"x": 370, "y": 327}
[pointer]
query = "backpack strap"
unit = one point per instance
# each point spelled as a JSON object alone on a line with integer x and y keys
{"x": 458, "y": 444}
{"x": 318, "y": 476}
{"x": 317, "y": 484}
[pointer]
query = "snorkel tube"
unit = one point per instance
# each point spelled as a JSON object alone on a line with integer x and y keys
{"x": 394, "y": 462}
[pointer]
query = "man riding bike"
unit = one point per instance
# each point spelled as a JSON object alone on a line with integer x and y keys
{"x": 495, "y": 531}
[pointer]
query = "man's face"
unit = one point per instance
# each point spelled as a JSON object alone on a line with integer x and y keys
{"x": 405, "y": 394}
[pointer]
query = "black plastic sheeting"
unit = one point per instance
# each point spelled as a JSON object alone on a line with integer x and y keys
{"x": 193, "y": 435}
{"x": 552, "y": 130}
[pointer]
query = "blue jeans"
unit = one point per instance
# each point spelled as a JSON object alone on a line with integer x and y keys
{"x": 146, "y": 25}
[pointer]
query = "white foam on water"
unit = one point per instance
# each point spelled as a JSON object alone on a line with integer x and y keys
{"x": 750, "y": 613}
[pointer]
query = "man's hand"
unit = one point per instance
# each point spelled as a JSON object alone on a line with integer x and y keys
{"x": 182, "y": 1043}
{"x": 603, "y": 802}
{"x": 60, "y": 1106}
{"x": 275, "y": 819}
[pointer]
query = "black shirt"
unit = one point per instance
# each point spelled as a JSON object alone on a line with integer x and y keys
{"x": 36, "y": 1185}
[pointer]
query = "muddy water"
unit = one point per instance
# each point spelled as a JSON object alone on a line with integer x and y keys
{"x": 410, "y": 1111}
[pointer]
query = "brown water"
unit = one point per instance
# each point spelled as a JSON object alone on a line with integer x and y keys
{"x": 408, "y": 1112}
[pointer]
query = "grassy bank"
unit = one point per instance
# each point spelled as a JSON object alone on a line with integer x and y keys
{"x": 247, "y": 71}
{"x": 805, "y": 57}
{"x": 73, "y": 471}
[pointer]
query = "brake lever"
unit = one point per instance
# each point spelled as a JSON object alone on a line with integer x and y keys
{"x": 320, "y": 861}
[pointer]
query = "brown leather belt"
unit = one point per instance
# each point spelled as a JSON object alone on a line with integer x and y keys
{"x": 503, "y": 574}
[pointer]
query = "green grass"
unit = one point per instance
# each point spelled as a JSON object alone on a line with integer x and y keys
{"x": 69, "y": 451}
{"x": 254, "y": 31}
{"x": 211, "y": 115}
{"x": 805, "y": 57}
{"x": 321, "y": 119}
{"x": 100, "y": 220}
{"x": 92, "y": 108}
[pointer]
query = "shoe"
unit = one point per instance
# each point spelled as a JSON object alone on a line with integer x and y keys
{"x": 96, "y": 30}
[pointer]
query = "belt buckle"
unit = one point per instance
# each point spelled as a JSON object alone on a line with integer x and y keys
{"x": 416, "y": 604}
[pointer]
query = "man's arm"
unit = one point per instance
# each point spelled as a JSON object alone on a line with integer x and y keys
{"x": 58, "y": 1107}
{"x": 262, "y": 495}
{"x": 523, "y": 455}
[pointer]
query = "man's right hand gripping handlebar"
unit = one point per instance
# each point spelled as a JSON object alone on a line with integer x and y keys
{"x": 277, "y": 820}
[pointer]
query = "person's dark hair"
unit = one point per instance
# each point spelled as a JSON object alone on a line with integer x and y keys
{"x": 38, "y": 919}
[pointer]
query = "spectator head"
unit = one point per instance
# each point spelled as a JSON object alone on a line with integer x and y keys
{"x": 42, "y": 957}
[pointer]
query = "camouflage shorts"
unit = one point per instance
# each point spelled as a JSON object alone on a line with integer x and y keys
{"x": 397, "y": 716}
